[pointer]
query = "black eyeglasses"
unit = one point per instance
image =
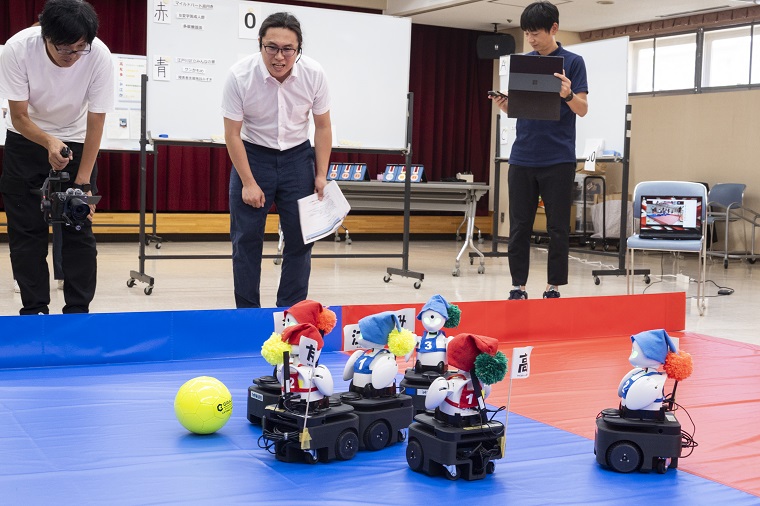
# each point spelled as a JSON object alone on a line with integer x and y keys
{"x": 287, "y": 52}
{"x": 69, "y": 52}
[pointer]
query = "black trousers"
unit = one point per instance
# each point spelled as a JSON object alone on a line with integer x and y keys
{"x": 555, "y": 186}
{"x": 25, "y": 167}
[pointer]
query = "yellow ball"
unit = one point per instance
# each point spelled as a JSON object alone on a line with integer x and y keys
{"x": 203, "y": 405}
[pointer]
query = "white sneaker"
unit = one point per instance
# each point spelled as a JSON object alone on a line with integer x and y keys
{"x": 16, "y": 288}
{"x": 60, "y": 284}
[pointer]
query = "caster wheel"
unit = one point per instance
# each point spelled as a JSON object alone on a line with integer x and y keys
{"x": 480, "y": 240}
{"x": 472, "y": 260}
{"x": 752, "y": 261}
{"x": 387, "y": 278}
{"x": 455, "y": 273}
{"x": 401, "y": 436}
{"x": 131, "y": 282}
{"x": 414, "y": 455}
{"x": 490, "y": 467}
{"x": 158, "y": 245}
{"x": 481, "y": 269}
{"x": 417, "y": 285}
{"x": 310, "y": 457}
{"x": 592, "y": 246}
{"x": 647, "y": 279}
{"x": 606, "y": 247}
{"x": 148, "y": 290}
{"x": 337, "y": 238}
{"x": 459, "y": 237}
{"x": 346, "y": 445}
{"x": 662, "y": 465}
{"x": 451, "y": 472}
{"x": 725, "y": 264}
{"x": 624, "y": 457}
{"x": 597, "y": 281}
{"x": 349, "y": 241}
{"x": 277, "y": 261}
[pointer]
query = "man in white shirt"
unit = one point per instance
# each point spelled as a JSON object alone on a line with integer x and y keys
{"x": 266, "y": 103}
{"x": 58, "y": 79}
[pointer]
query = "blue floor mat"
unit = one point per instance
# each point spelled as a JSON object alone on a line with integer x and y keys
{"x": 107, "y": 434}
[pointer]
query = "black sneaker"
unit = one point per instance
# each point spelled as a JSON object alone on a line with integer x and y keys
{"x": 551, "y": 294}
{"x": 517, "y": 294}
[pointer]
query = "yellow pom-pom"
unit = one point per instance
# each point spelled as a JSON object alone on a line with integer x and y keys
{"x": 273, "y": 348}
{"x": 401, "y": 342}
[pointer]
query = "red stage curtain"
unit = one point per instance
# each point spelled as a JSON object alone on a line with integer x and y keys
{"x": 451, "y": 131}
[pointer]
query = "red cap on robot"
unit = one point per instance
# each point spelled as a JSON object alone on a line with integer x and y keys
{"x": 292, "y": 335}
{"x": 311, "y": 311}
{"x": 465, "y": 348}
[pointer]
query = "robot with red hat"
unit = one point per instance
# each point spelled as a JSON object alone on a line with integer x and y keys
{"x": 458, "y": 439}
{"x": 383, "y": 413}
{"x": 430, "y": 361}
{"x": 266, "y": 390}
{"x": 644, "y": 433}
{"x": 306, "y": 425}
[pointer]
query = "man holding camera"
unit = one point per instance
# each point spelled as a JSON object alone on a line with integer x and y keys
{"x": 58, "y": 79}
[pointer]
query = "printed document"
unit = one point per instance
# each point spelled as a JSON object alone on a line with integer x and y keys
{"x": 320, "y": 218}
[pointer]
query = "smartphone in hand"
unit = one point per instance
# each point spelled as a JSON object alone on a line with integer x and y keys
{"x": 496, "y": 94}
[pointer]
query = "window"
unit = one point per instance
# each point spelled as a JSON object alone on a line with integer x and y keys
{"x": 662, "y": 63}
{"x": 726, "y": 58}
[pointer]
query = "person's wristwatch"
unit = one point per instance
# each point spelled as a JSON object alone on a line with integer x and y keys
{"x": 84, "y": 187}
{"x": 569, "y": 97}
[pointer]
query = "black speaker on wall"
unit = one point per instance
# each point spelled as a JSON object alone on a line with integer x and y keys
{"x": 491, "y": 47}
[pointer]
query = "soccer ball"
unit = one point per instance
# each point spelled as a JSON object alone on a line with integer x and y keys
{"x": 203, "y": 405}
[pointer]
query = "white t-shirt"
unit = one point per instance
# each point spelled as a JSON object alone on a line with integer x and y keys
{"x": 274, "y": 114}
{"x": 59, "y": 98}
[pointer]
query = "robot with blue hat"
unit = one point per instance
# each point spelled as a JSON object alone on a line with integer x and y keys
{"x": 430, "y": 361}
{"x": 644, "y": 433}
{"x": 383, "y": 412}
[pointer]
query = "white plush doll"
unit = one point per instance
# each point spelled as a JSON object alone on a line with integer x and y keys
{"x": 457, "y": 394}
{"x": 643, "y": 387}
{"x": 431, "y": 345}
{"x": 374, "y": 368}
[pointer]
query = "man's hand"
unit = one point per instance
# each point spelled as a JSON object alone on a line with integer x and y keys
{"x": 501, "y": 102}
{"x": 566, "y": 88}
{"x": 55, "y": 156}
{"x": 253, "y": 196}
{"x": 319, "y": 185}
{"x": 92, "y": 209}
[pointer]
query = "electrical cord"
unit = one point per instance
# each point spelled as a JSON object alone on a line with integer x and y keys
{"x": 722, "y": 290}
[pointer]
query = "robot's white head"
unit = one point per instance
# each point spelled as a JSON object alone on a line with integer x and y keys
{"x": 432, "y": 320}
{"x": 638, "y": 359}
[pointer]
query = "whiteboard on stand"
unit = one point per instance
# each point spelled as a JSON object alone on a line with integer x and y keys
{"x": 192, "y": 45}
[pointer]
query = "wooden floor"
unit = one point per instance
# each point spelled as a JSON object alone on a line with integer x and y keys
{"x": 219, "y": 223}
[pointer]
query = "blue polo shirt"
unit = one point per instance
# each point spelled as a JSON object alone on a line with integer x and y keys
{"x": 540, "y": 143}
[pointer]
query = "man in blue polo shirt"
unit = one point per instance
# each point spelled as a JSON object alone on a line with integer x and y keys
{"x": 542, "y": 162}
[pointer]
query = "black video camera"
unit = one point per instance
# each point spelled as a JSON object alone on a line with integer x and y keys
{"x": 70, "y": 207}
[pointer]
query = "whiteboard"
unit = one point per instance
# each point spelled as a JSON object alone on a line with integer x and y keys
{"x": 192, "y": 45}
{"x": 607, "y": 72}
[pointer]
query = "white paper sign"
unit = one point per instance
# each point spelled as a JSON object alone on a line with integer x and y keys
{"x": 520, "y": 362}
{"x": 592, "y": 150}
{"x": 279, "y": 321}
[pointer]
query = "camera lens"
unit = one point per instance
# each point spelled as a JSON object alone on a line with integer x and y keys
{"x": 79, "y": 210}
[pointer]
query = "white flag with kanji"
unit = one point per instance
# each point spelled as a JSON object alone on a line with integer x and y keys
{"x": 521, "y": 362}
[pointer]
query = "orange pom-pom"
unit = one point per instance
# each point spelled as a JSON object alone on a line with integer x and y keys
{"x": 326, "y": 320}
{"x": 678, "y": 366}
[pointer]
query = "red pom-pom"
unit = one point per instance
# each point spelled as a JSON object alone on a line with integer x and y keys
{"x": 326, "y": 320}
{"x": 678, "y": 366}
